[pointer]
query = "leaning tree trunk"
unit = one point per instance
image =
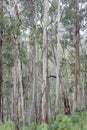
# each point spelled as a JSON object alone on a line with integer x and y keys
{"x": 45, "y": 68}
{"x": 77, "y": 59}
{"x": 1, "y": 37}
{"x": 57, "y": 61}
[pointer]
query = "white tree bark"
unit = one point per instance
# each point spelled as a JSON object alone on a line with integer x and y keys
{"x": 34, "y": 104}
{"x": 15, "y": 96}
{"x": 36, "y": 60}
{"x": 57, "y": 61}
{"x": 45, "y": 67}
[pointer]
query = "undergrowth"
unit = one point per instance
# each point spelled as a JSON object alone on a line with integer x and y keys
{"x": 78, "y": 121}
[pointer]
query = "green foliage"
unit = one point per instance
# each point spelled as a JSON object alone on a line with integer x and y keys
{"x": 62, "y": 123}
{"x": 32, "y": 126}
{"x": 75, "y": 117}
{"x": 75, "y": 122}
{"x": 79, "y": 119}
{"x": 8, "y": 57}
{"x": 39, "y": 35}
{"x": 36, "y": 35}
{"x": 23, "y": 55}
{"x": 7, "y": 126}
{"x": 43, "y": 127}
{"x": 10, "y": 28}
{"x": 65, "y": 124}
{"x": 53, "y": 7}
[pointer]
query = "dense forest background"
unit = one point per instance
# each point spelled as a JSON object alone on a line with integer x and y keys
{"x": 43, "y": 64}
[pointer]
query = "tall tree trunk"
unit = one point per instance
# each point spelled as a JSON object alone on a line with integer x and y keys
{"x": 45, "y": 68}
{"x": 77, "y": 59}
{"x": 1, "y": 36}
{"x": 57, "y": 61}
{"x": 85, "y": 84}
{"x": 16, "y": 77}
{"x": 32, "y": 111}
{"x": 34, "y": 104}
{"x": 22, "y": 93}
{"x": 15, "y": 97}
{"x": 36, "y": 65}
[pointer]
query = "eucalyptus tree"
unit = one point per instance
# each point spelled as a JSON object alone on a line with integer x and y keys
{"x": 18, "y": 72}
{"x": 34, "y": 102}
{"x": 57, "y": 62}
{"x": 1, "y": 42}
{"x": 77, "y": 57}
{"x": 45, "y": 66}
{"x": 13, "y": 28}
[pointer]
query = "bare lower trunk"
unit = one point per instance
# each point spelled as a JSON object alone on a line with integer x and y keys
{"x": 15, "y": 98}
{"x": 34, "y": 105}
{"x": 22, "y": 94}
{"x": 32, "y": 110}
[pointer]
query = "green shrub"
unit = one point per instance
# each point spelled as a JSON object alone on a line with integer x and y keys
{"x": 65, "y": 124}
{"x": 78, "y": 121}
{"x": 75, "y": 118}
{"x": 7, "y": 126}
{"x": 32, "y": 126}
{"x": 62, "y": 123}
{"x": 85, "y": 127}
{"x": 42, "y": 127}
